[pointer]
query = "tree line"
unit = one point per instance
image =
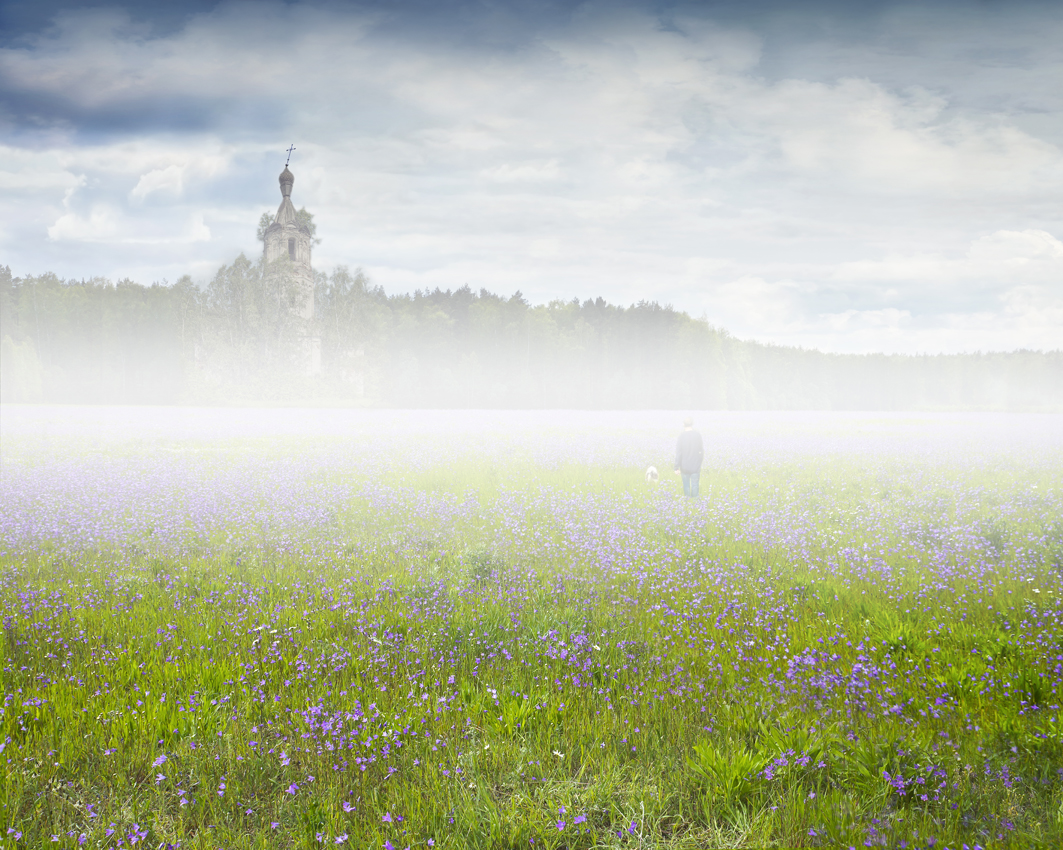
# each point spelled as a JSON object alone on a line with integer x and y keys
{"x": 239, "y": 339}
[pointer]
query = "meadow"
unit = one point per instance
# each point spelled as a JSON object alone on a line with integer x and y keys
{"x": 306, "y": 629}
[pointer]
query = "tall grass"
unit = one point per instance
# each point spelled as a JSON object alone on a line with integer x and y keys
{"x": 294, "y": 643}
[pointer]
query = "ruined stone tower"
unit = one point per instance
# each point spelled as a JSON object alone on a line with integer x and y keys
{"x": 288, "y": 237}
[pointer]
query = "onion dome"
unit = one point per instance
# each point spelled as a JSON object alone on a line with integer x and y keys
{"x": 286, "y": 211}
{"x": 287, "y": 180}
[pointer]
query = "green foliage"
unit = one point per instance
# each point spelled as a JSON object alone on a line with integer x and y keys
{"x": 731, "y": 774}
{"x": 484, "y": 564}
{"x": 306, "y": 221}
{"x": 263, "y": 225}
{"x": 91, "y": 340}
{"x": 257, "y": 305}
{"x": 1053, "y": 545}
{"x": 303, "y": 218}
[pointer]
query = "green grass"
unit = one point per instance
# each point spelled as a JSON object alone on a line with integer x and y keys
{"x": 814, "y": 654}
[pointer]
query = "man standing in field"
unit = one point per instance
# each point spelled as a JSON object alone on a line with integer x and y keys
{"x": 688, "y": 454}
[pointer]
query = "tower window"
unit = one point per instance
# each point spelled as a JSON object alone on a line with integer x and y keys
{"x": 291, "y": 250}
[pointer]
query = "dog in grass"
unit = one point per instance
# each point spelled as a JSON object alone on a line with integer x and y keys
{"x": 652, "y": 476}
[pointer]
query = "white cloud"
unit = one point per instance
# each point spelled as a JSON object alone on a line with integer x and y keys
{"x": 34, "y": 177}
{"x": 142, "y": 156}
{"x": 1007, "y": 256}
{"x": 857, "y": 130}
{"x": 616, "y": 155}
{"x": 1011, "y": 280}
{"x": 752, "y": 301}
{"x": 101, "y": 224}
{"x": 196, "y": 230}
{"x": 1026, "y": 253}
{"x": 849, "y": 320}
{"x": 168, "y": 180}
{"x": 525, "y": 172}
{"x": 111, "y": 225}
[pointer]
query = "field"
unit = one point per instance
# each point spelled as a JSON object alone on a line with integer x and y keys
{"x": 298, "y": 629}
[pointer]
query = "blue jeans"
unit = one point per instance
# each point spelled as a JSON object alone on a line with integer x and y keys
{"x": 690, "y": 484}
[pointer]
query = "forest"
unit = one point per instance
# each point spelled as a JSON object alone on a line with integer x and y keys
{"x": 239, "y": 340}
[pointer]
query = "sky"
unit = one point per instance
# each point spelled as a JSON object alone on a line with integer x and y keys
{"x": 853, "y": 177}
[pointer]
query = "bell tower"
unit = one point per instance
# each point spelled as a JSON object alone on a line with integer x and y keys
{"x": 288, "y": 237}
{"x": 289, "y": 240}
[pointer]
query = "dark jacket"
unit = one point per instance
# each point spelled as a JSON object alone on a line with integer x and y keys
{"x": 689, "y": 452}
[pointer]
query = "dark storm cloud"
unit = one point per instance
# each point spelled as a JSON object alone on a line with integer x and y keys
{"x": 30, "y": 113}
{"x": 20, "y": 19}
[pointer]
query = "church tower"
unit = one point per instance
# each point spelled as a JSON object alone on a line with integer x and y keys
{"x": 287, "y": 237}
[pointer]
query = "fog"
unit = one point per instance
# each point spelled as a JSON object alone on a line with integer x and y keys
{"x": 631, "y": 438}
{"x": 245, "y": 339}
{"x": 166, "y": 479}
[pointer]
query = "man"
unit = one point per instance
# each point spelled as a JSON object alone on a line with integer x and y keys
{"x": 688, "y": 454}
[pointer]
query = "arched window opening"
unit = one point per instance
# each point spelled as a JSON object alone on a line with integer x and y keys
{"x": 291, "y": 250}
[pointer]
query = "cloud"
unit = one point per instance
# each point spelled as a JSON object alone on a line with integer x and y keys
{"x": 857, "y": 130}
{"x": 101, "y": 224}
{"x": 525, "y": 172}
{"x": 1008, "y": 286}
{"x": 106, "y": 224}
{"x": 1008, "y": 256}
{"x": 1027, "y": 253}
{"x": 840, "y": 183}
{"x": 888, "y": 319}
{"x": 196, "y": 230}
{"x": 169, "y": 180}
{"x": 32, "y": 174}
{"x": 752, "y": 301}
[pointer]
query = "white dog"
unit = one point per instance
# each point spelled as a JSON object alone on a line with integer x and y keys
{"x": 652, "y": 476}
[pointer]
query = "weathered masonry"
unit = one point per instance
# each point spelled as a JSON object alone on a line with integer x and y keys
{"x": 288, "y": 237}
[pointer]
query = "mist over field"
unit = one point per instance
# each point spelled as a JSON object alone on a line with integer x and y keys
{"x": 628, "y": 438}
{"x": 481, "y": 629}
{"x": 242, "y": 340}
